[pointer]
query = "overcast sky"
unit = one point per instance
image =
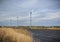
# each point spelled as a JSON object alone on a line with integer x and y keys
{"x": 44, "y": 12}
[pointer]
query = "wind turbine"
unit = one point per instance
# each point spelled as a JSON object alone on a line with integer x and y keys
{"x": 17, "y": 21}
{"x": 30, "y": 19}
{"x": 10, "y": 21}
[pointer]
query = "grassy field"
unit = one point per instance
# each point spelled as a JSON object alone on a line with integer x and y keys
{"x": 21, "y": 33}
{"x": 15, "y": 35}
{"x": 35, "y": 27}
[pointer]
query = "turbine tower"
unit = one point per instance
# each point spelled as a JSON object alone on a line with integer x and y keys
{"x": 10, "y": 21}
{"x": 30, "y": 19}
{"x": 17, "y": 21}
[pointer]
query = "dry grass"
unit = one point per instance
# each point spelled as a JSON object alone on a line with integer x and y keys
{"x": 47, "y": 28}
{"x": 53, "y": 29}
{"x": 23, "y": 31}
{"x": 15, "y": 35}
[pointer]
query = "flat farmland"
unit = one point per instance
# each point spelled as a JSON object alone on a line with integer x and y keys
{"x": 37, "y": 33}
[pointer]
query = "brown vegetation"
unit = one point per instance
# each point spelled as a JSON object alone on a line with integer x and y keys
{"x": 15, "y": 35}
